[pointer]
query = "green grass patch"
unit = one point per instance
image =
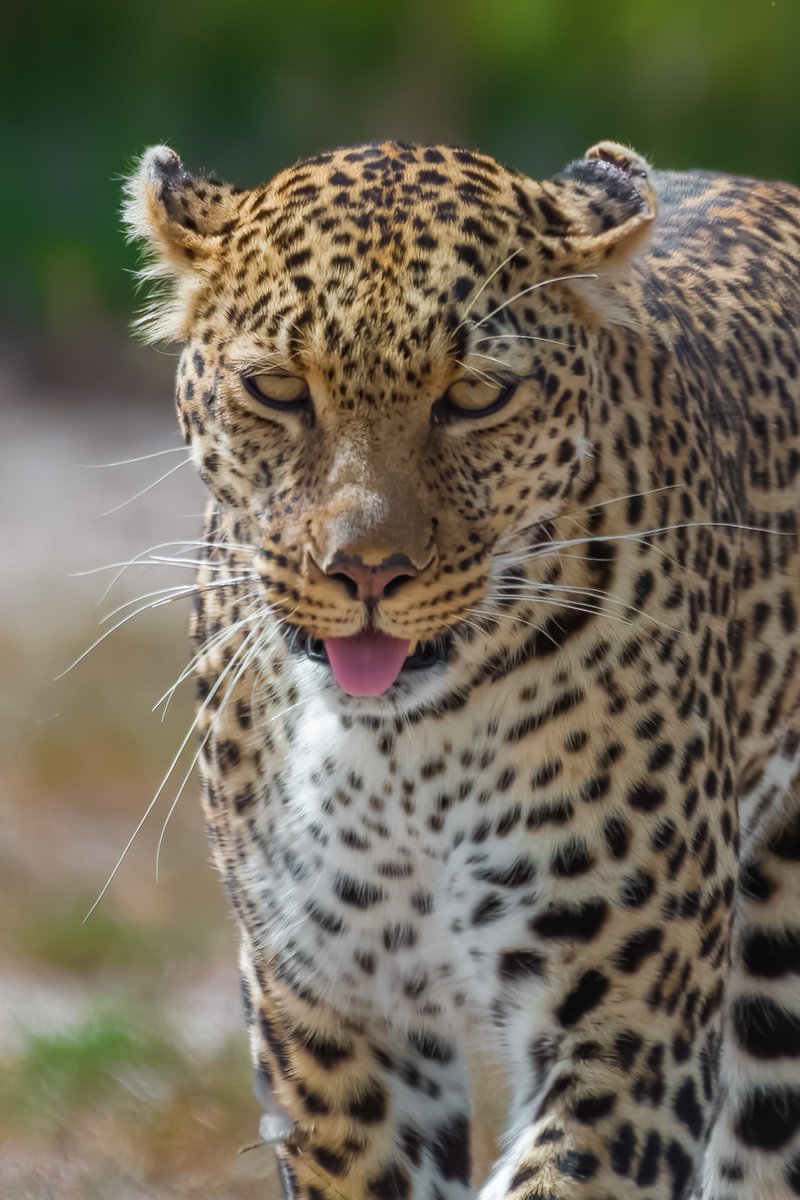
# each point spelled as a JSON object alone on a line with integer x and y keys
{"x": 58, "y": 1074}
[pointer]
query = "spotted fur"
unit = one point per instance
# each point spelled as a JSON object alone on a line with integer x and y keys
{"x": 575, "y": 836}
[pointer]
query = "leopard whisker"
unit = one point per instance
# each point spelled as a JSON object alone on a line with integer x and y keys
{"x": 180, "y": 589}
{"x": 533, "y": 584}
{"x": 126, "y": 462}
{"x": 143, "y": 491}
{"x": 289, "y": 708}
{"x": 539, "y": 551}
{"x": 522, "y": 337}
{"x": 482, "y": 289}
{"x": 482, "y": 375}
{"x": 202, "y": 708}
{"x": 558, "y": 603}
{"x": 245, "y": 660}
{"x": 562, "y": 606}
{"x": 180, "y": 595}
{"x": 505, "y": 579}
{"x": 534, "y": 287}
{"x": 490, "y": 358}
{"x": 498, "y": 616}
{"x": 160, "y": 560}
{"x": 215, "y": 640}
{"x": 99, "y": 641}
{"x": 667, "y": 487}
{"x": 141, "y": 559}
{"x": 259, "y": 671}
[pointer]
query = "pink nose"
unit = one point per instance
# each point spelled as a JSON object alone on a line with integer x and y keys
{"x": 366, "y": 582}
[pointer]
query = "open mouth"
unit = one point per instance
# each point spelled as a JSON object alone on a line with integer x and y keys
{"x": 368, "y": 663}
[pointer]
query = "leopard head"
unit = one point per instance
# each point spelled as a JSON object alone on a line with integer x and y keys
{"x": 387, "y": 374}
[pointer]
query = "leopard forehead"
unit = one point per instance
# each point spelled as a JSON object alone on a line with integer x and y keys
{"x": 390, "y": 211}
{"x": 387, "y": 238}
{"x": 397, "y": 233}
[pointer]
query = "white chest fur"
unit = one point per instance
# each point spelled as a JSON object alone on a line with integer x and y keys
{"x": 395, "y": 874}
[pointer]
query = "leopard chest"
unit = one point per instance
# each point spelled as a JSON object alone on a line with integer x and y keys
{"x": 397, "y": 882}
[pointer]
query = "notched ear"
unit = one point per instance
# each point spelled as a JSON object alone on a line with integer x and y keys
{"x": 607, "y": 198}
{"x": 181, "y": 220}
{"x": 598, "y": 212}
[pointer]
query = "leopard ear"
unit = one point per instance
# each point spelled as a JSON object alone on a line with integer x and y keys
{"x": 601, "y": 207}
{"x": 181, "y": 220}
{"x": 593, "y": 217}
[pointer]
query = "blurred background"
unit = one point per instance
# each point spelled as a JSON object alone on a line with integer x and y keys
{"x": 123, "y": 1067}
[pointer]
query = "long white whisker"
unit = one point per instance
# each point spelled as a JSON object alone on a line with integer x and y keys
{"x": 573, "y": 513}
{"x": 473, "y": 626}
{"x": 165, "y": 560}
{"x": 217, "y": 639}
{"x": 141, "y": 559}
{"x": 499, "y": 616}
{"x": 102, "y": 638}
{"x": 491, "y": 358}
{"x": 126, "y": 462}
{"x": 259, "y": 673}
{"x": 558, "y": 603}
{"x": 482, "y": 289}
{"x": 525, "y": 291}
{"x": 477, "y": 372}
{"x": 175, "y": 591}
{"x": 166, "y": 778}
{"x": 522, "y": 337}
{"x": 539, "y": 551}
{"x": 181, "y": 594}
{"x": 178, "y": 589}
{"x": 505, "y": 583}
{"x": 289, "y": 709}
{"x": 143, "y": 491}
{"x": 561, "y": 605}
{"x": 211, "y": 729}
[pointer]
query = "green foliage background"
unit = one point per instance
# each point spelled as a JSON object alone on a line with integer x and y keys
{"x": 244, "y": 87}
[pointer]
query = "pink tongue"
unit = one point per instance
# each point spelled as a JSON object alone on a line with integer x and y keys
{"x": 366, "y": 664}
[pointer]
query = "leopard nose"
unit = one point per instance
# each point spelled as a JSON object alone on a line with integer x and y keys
{"x": 365, "y": 581}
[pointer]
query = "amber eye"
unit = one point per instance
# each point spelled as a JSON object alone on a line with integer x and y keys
{"x": 475, "y": 396}
{"x": 286, "y": 392}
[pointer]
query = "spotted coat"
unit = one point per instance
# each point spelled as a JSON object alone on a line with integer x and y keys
{"x": 570, "y": 831}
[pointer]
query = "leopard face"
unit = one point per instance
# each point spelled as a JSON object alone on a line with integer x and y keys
{"x": 389, "y": 379}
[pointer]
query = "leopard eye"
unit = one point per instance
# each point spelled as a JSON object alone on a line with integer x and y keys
{"x": 288, "y": 393}
{"x": 475, "y": 396}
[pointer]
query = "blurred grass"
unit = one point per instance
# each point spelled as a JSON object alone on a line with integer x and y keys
{"x": 58, "y": 1073}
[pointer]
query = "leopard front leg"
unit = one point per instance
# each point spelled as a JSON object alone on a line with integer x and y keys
{"x": 754, "y": 1149}
{"x": 372, "y": 1113}
{"x": 610, "y": 1016}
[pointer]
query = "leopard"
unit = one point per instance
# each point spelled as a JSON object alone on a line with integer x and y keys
{"x": 497, "y": 658}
